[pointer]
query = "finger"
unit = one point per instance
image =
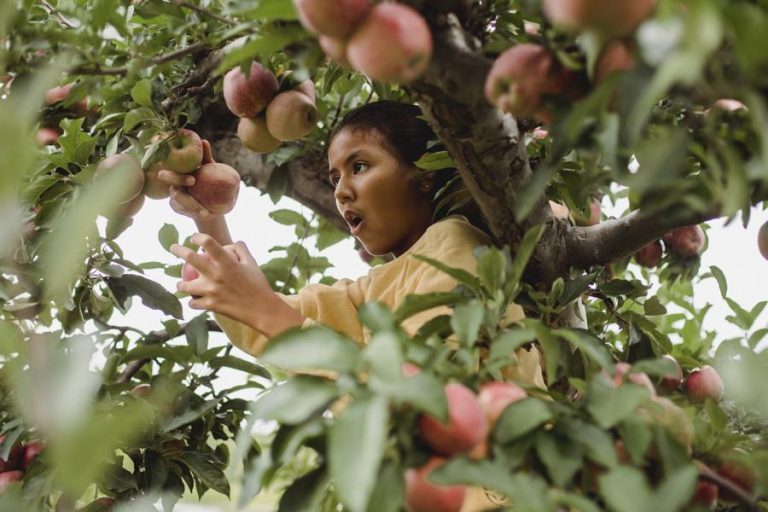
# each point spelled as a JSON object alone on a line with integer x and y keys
{"x": 187, "y": 202}
{"x": 210, "y": 246}
{"x": 207, "y": 153}
{"x": 201, "y": 262}
{"x": 242, "y": 252}
{"x": 175, "y": 179}
{"x": 198, "y": 303}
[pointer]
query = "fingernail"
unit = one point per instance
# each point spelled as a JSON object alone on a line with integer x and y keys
{"x": 190, "y": 181}
{"x": 203, "y": 213}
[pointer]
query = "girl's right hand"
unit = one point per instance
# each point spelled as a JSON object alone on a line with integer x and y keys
{"x": 181, "y": 202}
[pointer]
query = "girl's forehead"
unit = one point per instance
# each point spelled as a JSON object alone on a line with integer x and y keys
{"x": 354, "y": 139}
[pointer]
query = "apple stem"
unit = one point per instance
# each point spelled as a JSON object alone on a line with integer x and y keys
{"x": 723, "y": 483}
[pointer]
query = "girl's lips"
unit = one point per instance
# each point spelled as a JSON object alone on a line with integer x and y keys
{"x": 356, "y": 230}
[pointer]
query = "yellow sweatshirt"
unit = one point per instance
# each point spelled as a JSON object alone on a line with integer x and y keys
{"x": 450, "y": 241}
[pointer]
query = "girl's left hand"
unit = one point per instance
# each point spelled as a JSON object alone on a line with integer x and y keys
{"x": 230, "y": 283}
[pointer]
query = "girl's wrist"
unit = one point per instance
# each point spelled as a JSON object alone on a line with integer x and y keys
{"x": 275, "y": 316}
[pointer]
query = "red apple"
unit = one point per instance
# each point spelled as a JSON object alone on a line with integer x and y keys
{"x": 687, "y": 242}
{"x": 610, "y": 17}
{"x": 307, "y": 88}
{"x": 740, "y": 475}
{"x": 15, "y": 457}
{"x": 705, "y": 495}
{"x": 494, "y": 397}
{"x": 421, "y": 495}
{"x": 291, "y": 115}
{"x": 762, "y": 240}
{"x": 188, "y": 272}
{"x": 216, "y": 187}
{"x": 60, "y": 93}
{"x": 467, "y": 425}
{"x": 650, "y": 255}
{"x": 247, "y": 96}
{"x": 671, "y": 381}
{"x": 333, "y": 18}
{"x": 622, "y": 372}
{"x": 131, "y": 169}
{"x": 392, "y": 44}
{"x": 9, "y": 477}
{"x": 47, "y": 136}
{"x": 255, "y": 135}
{"x": 618, "y": 55}
{"x": 185, "y": 151}
{"x": 704, "y": 383}
{"x": 31, "y": 451}
{"x": 153, "y": 187}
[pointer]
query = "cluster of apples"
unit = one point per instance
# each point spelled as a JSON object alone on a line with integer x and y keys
{"x": 686, "y": 242}
{"x": 48, "y": 134}
{"x": 525, "y": 76}
{"x": 471, "y": 419}
{"x": 19, "y": 459}
{"x": 216, "y": 185}
{"x": 388, "y": 42}
{"x": 268, "y": 118}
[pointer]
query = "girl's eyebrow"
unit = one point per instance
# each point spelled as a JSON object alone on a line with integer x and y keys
{"x": 350, "y": 157}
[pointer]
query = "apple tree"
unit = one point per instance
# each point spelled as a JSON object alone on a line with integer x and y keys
{"x": 546, "y": 112}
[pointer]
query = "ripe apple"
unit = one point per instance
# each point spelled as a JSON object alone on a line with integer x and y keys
{"x": 392, "y": 44}
{"x": 336, "y": 49}
{"x": 188, "y": 272}
{"x": 216, "y": 187}
{"x": 153, "y": 187}
{"x": 664, "y": 412}
{"x": 247, "y": 96}
{"x": 130, "y": 167}
{"x": 762, "y": 240}
{"x": 255, "y": 135}
{"x": 671, "y": 382}
{"x": 467, "y": 425}
{"x": 8, "y": 477}
{"x": 421, "y": 495}
{"x": 494, "y": 397}
{"x": 291, "y": 115}
{"x": 47, "y": 136}
{"x": 739, "y": 474}
{"x": 522, "y": 77}
{"x": 333, "y": 18}
{"x": 622, "y": 372}
{"x": 612, "y": 18}
{"x": 31, "y": 450}
{"x": 650, "y": 255}
{"x": 131, "y": 208}
{"x": 15, "y": 457}
{"x": 705, "y": 495}
{"x": 704, "y": 383}
{"x": 687, "y": 242}
{"x": 185, "y": 151}
{"x": 60, "y": 93}
{"x": 307, "y": 87}
{"x": 618, "y": 55}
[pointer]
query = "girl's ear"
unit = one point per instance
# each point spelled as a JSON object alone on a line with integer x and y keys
{"x": 426, "y": 180}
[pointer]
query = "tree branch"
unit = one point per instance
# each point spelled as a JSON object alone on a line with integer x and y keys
{"x": 723, "y": 483}
{"x": 160, "y": 59}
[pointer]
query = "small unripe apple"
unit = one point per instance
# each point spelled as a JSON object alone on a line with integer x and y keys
{"x": 617, "y": 56}
{"x": 421, "y": 495}
{"x": 247, "y": 96}
{"x": 687, "y": 242}
{"x": 47, "y": 136}
{"x": 9, "y": 477}
{"x": 467, "y": 425}
{"x": 622, "y": 372}
{"x": 522, "y": 77}
{"x": 705, "y": 495}
{"x": 291, "y": 115}
{"x": 336, "y": 49}
{"x": 153, "y": 187}
{"x": 131, "y": 169}
{"x": 255, "y": 135}
{"x": 762, "y": 240}
{"x": 392, "y": 44}
{"x": 334, "y": 18}
{"x": 15, "y": 457}
{"x": 494, "y": 397}
{"x": 216, "y": 187}
{"x": 704, "y": 383}
{"x": 650, "y": 255}
{"x": 671, "y": 381}
{"x": 185, "y": 151}
{"x": 31, "y": 450}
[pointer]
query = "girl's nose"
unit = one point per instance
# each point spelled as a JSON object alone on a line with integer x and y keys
{"x": 344, "y": 192}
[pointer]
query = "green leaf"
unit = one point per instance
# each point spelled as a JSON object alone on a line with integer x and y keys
{"x": 389, "y": 493}
{"x": 597, "y": 443}
{"x": 236, "y": 363}
{"x": 653, "y": 307}
{"x": 587, "y": 343}
{"x": 313, "y": 348}
{"x": 168, "y": 235}
{"x": 141, "y": 92}
{"x": 175, "y": 354}
{"x": 676, "y": 490}
{"x": 288, "y": 218}
{"x": 152, "y": 294}
{"x": 491, "y": 269}
{"x": 609, "y": 405}
{"x": 193, "y": 413}
{"x": 306, "y": 493}
{"x": 197, "y": 334}
{"x": 625, "y": 490}
{"x": 510, "y": 340}
{"x": 355, "y": 449}
{"x": 562, "y": 459}
{"x": 136, "y": 117}
{"x": 462, "y": 276}
{"x": 203, "y": 468}
{"x": 719, "y": 276}
{"x": 523, "y": 254}
{"x": 295, "y": 400}
{"x": 414, "y": 304}
{"x": 376, "y": 316}
{"x": 520, "y": 418}
{"x": 466, "y": 321}
{"x": 435, "y": 161}
{"x": 267, "y": 10}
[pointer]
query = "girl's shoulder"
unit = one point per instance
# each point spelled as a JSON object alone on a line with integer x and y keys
{"x": 455, "y": 230}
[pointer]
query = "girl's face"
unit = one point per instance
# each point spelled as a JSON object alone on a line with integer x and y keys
{"x": 376, "y": 193}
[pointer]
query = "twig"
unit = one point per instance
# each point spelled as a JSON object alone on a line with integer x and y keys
{"x": 162, "y": 59}
{"x": 52, "y": 10}
{"x": 154, "y": 338}
{"x": 708, "y": 474}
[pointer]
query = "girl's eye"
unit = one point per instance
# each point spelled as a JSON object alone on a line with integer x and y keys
{"x": 359, "y": 166}
{"x": 334, "y": 180}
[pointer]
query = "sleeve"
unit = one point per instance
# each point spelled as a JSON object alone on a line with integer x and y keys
{"x": 334, "y": 306}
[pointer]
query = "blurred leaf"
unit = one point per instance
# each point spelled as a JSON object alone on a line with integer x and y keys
{"x": 168, "y": 235}
{"x": 462, "y": 276}
{"x": 609, "y": 405}
{"x": 197, "y": 334}
{"x": 193, "y": 413}
{"x": 236, "y": 363}
{"x": 204, "y": 469}
{"x": 589, "y": 344}
{"x": 152, "y": 294}
{"x": 625, "y": 490}
{"x": 355, "y": 449}
{"x": 520, "y": 418}
{"x": 523, "y": 254}
{"x": 376, "y": 316}
{"x": 142, "y": 92}
{"x": 389, "y": 493}
{"x": 288, "y": 218}
{"x": 562, "y": 459}
{"x": 306, "y": 492}
{"x": 491, "y": 269}
{"x": 414, "y": 304}
{"x": 306, "y": 395}
{"x": 312, "y": 348}
{"x": 466, "y": 321}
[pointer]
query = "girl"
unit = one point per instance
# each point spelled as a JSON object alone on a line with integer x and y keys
{"x": 388, "y": 205}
